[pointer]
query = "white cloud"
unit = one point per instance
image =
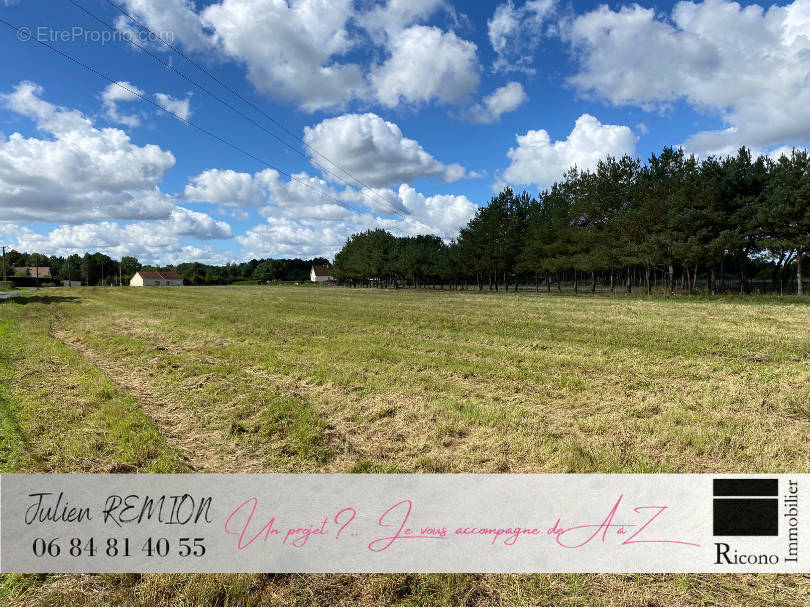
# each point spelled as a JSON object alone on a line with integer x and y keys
{"x": 299, "y": 52}
{"x": 505, "y": 99}
{"x": 154, "y": 241}
{"x": 175, "y": 20}
{"x": 180, "y": 107}
{"x": 79, "y": 174}
{"x": 293, "y": 236}
{"x": 747, "y": 65}
{"x": 427, "y": 64}
{"x": 515, "y": 33}
{"x": 281, "y": 237}
{"x": 289, "y": 50}
{"x": 303, "y": 196}
{"x": 226, "y": 187}
{"x": 25, "y": 100}
{"x": 538, "y": 160}
{"x": 185, "y": 222}
{"x": 384, "y": 21}
{"x": 121, "y": 91}
{"x": 239, "y": 214}
{"x": 445, "y": 214}
{"x": 776, "y": 153}
{"x": 374, "y": 151}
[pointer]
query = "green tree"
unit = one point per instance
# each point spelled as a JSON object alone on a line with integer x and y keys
{"x": 785, "y": 214}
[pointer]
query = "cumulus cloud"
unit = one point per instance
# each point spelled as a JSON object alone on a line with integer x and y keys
{"x": 121, "y": 91}
{"x": 80, "y": 173}
{"x": 154, "y": 241}
{"x": 374, "y": 151}
{"x": 301, "y": 52}
{"x": 505, "y": 99}
{"x": 185, "y": 222}
{"x": 302, "y": 196}
{"x": 746, "y": 64}
{"x": 179, "y": 107}
{"x": 780, "y": 151}
{"x": 445, "y": 214}
{"x": 289, "y": 51}
{"x": 282, "y": 235}
{"x": 515, "y": 33}
{"x": 386, "y": 20}
{"x": 538, "y": 160}
{"x": 175, "y": 20}
{"x": 427, "y": 64}
{"x": 226, "y": 187}
{"x": 298, "y": 224}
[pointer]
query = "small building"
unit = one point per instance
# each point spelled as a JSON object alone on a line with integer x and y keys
{"x": 43, "y": 272}
{"x": 321, "y": 274}
{"x": 155, "y": 278}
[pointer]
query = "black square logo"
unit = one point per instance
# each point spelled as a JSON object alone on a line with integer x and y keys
{"x": 746, "y": 507}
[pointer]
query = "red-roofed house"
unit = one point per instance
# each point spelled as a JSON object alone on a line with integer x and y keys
{"x": 155, "y": 278}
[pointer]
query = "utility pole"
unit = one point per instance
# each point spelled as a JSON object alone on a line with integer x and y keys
{"x": 36, "y": 268}
{"x": 119, "y": 274}
{"x": 4, "y": 262}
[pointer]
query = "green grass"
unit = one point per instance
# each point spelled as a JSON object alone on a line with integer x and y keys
{"x": 286, "y": 379}
{"x": 60, "y": 414}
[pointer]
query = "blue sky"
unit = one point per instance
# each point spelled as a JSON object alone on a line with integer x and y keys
{"x": 431, "y": 106}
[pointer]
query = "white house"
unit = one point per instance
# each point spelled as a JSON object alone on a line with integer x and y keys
{"x": 321, "y": 274}
{"x": 154, "y": 278}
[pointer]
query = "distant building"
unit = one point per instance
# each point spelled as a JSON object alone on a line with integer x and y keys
{"x": 321, "y": 274}
{"x": 155, "y": 278}
{"x": 43, "y": 272}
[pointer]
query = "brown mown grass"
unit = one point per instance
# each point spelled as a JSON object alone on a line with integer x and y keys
{"x": 273, "y": 379}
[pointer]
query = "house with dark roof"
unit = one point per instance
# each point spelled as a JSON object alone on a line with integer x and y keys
{"x": 155, "y": 278}
{"x": 321, "y": 274}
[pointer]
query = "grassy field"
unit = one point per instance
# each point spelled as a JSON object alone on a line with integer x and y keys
{"x": 286, "y": 379}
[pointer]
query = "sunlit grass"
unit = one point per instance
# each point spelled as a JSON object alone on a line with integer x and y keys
{"x": 285, "y": 379}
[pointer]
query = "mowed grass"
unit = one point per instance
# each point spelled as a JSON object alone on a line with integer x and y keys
{"x": 286, "y": 379}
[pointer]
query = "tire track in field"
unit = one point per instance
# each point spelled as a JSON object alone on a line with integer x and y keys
{"x": 203, "y": 450}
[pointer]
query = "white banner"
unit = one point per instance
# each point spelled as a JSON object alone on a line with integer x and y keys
{"x": 404, "y": 523}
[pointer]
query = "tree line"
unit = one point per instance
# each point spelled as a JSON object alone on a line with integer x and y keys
{"x": 623, "y": 225}
{"x": 100, "y": 269}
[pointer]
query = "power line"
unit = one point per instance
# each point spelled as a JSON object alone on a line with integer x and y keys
{"x": 25, "y": 35}
{"x": 237, "y": 111}
{"x": 255, "y": 107}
